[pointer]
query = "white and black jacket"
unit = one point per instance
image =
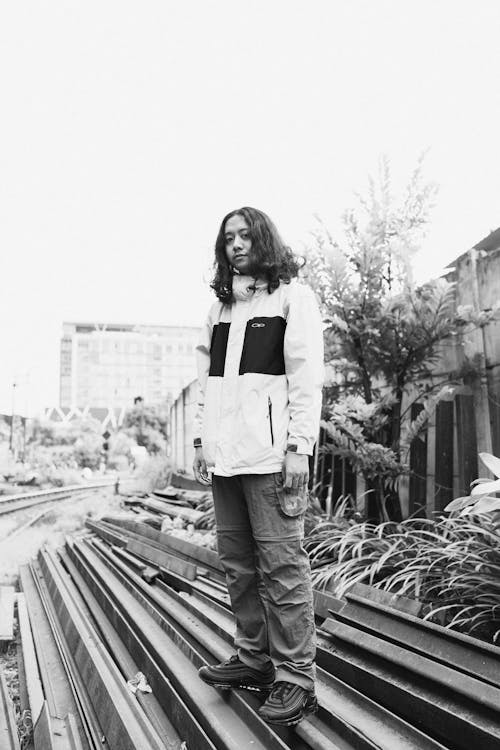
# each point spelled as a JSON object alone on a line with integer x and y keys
{"x": 260, "y": 373}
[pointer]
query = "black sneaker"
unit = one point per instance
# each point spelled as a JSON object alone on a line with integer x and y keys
{"x": 287, "y": 704}
{"x": 234, "y": 674}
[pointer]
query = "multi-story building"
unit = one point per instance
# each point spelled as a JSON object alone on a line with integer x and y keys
{"x": 106, "y": 365}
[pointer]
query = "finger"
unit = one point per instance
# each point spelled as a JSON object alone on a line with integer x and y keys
{"x": 197, "y": 472}
{"x": 287, "y": 480}
{"x": 305, "y": 482}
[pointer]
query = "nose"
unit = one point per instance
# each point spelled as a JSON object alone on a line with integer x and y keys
{"x": 237, "y": 244}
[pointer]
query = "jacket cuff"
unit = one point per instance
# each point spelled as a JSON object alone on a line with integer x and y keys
{"x": 302, "y": 447}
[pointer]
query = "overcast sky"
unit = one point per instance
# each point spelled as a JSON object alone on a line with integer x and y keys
{"x": 128, "y": 129}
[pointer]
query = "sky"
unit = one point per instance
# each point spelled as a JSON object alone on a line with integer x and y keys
{"x": 129, "y": 129}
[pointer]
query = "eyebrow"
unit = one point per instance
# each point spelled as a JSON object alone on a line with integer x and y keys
{"x": 240, "y": 231}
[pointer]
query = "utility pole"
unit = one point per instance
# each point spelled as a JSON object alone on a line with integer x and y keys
{"x": 11, "y": 439}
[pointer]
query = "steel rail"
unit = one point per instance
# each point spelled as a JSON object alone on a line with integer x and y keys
{"x": 121, "y": 655}
{"x": 9, "y": 739}
{"x": 207, "y": 558}
{"x": 185, "y": 723}
{"x": 119, "y": 538}
{"x": 330, "y": 725}
{"x": 12, "y": 503}
{"x": 35, "y": 697}
{"x": 438, "y": 710}
{"x": 469, "y": 659}
{"x": 124, "y": 725}
{"x": 60, "y": 698}
{"x": 84, "y": 718}
{"x": 324, "y": 660}
{"x": 330, "y": 691}
{"x": 468, "y": 655}
{"x": 445, "y": 677}
{"x": 229, "y": 722}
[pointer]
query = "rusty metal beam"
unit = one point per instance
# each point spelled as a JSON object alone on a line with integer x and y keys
{"x": 389, "y": 678}
{"x": 467, "y": 655}
{"x": 123, "y": 724}
{"x": 229, "y": 722}
{"x": 334, "y": 730}
{"x": 31, "y": 673}
{"x": 58, "y": 690}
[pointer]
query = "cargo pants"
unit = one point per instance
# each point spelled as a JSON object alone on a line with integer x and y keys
{"x": 268, "y": 575}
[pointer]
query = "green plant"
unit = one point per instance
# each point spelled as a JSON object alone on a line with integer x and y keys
{"x": 147, "y": 425}
{"x": 154, "y": 474}
{"x": 383, "y": 333}
{"x": 451, "y": 564}
{"x": 481, "y": 498}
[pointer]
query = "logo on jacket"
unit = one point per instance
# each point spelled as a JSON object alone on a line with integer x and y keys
{"x": 258, "y": 325}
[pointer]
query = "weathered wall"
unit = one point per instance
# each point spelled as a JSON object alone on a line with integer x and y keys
{"x": 182, "y": 415}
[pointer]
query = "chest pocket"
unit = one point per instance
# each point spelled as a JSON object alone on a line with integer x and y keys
{"x": 218, "y": 348}
{"x": 263, "y": 346}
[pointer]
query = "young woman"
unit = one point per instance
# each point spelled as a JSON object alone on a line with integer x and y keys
{"x": 260, "y": 371}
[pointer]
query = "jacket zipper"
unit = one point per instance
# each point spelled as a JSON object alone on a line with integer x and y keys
{"x": 270, "y": 408}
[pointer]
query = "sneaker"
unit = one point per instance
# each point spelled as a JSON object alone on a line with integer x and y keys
{"x": 233, "y": 673}
{"x": 287, "y": 704}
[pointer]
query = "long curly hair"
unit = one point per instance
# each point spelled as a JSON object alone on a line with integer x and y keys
{"x": 270, "y": 259}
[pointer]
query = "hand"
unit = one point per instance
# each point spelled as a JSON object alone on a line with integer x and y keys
{"x": 296, "y": 472}
{"x": 200, "y": 470}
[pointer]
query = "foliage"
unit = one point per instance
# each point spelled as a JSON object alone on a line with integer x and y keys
{"x": 55, "y": 466}
{"x": 81, "y": 439}
{"x": 147, "y": 425}
{"x": 4, "y": 429}
{"x": 481, "y": 498}
{"x": 88, "y": 450}
{"x": 48, "y": 433}
{"x": 154, "y": 474}
{"x": 383, "y": 333}
{"x": 451, "y": 564}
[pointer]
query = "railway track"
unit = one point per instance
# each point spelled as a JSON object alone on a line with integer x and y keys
{"x": 13, "y": 503}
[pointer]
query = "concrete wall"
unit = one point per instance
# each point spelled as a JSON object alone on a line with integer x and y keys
{"x": 181, "y": 436}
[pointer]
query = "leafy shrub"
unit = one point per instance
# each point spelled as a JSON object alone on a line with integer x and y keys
{"x": 451, "y": 564}
{"x": 154, "y": 474}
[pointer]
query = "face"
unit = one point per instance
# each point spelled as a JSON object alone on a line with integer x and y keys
{"x": 238, "y": 243}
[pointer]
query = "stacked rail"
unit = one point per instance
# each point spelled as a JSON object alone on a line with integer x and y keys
{"x": 127, "y": 599}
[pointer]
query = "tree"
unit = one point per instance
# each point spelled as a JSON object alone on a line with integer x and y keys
{"x": 382, "y": 332}
{"x": 147, "y": 425}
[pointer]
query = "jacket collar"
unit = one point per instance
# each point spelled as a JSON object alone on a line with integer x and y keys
{"x": 244, "y": 287}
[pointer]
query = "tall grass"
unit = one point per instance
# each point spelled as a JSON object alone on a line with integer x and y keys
{"x": 451, "y": 564}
